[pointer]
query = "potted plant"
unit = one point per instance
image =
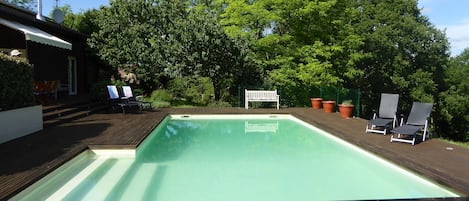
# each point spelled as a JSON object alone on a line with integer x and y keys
{"x": 328, "y": 106}
{"x": 346, "y": 109}
{"x": 316, "y": 103}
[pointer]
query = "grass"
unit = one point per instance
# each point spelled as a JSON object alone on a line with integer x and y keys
{"x": 460, "y": 144}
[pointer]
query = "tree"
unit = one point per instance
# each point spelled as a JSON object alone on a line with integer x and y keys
{"x": 226, "y": 61}
{"x": 299, "y": 44}
{"x": 163, "y": 40}
{"x": 83, "y": 22}
{"x": 406, "y": 53}
{"x": 28, "y": 4}
{"x": 454, "y": 122}
{"x": 141, "y": 36}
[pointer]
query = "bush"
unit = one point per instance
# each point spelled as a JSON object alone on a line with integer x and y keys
{"x": 16, "y": 83}
{"x": 160, "y": 104}
{"x": 453, "y": 119}
{"x": 161, "y": 95}
{"x": 198, "y": 91}
{"x": 219, "y": 104}
{"x": 99, "y": 91}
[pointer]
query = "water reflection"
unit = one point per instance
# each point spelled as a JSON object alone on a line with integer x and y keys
{"x": 261, "y": 127}
{"x": 168, "y": 141}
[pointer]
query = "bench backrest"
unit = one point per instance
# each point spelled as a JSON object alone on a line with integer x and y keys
{"x": 261, "y": 95}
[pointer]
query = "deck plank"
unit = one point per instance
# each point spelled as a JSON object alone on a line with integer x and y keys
{"x": 27, "y": 159}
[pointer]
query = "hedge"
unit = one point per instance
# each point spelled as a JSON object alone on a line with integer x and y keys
{"x": 16, "y": 83}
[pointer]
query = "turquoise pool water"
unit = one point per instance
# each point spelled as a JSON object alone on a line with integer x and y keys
{"x": 247, "y": 157}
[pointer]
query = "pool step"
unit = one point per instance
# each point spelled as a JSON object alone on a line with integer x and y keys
{"x": 68, "y": 187}
{"x": 106, "y": 184}
{"x": 138, "y": 185}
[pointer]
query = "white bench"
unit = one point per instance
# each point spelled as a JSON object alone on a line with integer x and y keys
{"x": 260, "y": 96}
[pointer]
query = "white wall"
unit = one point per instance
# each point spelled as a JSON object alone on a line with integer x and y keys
{"x": 20, "y": 122}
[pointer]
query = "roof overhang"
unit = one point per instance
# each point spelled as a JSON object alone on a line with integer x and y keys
{"x": 37, "y": 35}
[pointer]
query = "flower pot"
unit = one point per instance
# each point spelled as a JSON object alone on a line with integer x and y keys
{"x": 345, "y": 110}
{"x": 328, "y": 106}
{"x": 316, "y": 103}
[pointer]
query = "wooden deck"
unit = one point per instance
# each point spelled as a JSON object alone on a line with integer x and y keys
{"x": 25, "y": 160}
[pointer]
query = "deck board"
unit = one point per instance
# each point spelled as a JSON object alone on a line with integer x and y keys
{"x": 27, "y": 159}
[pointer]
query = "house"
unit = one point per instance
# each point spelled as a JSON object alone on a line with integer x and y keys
{"x": 57, "y": 53}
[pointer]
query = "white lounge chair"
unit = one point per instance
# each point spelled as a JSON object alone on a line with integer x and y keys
{"x": 128, "y": 94}
{"x": 116, "y": 100}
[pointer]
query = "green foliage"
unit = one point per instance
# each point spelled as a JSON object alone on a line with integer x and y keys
{"x": 219, "y": 104}
{"x": 144, "y": 34}
{"x": 17, "y": 83}
{"x": 454, "y": 103}
{"x": 84, "y": 22}
{"x": 300, "y": 44}
{"x": 28, "y": 4}
{"x": 347, "y": 102}
{"x": 160, "y": 98}
{"x": 295, "y": 46}
{"x": 405, "y": 54}
{"x": 161, "y": 95}
{"x": 193, "y": 90}
{"x": 166, "y": 40}
{"x": 98, "y": 91}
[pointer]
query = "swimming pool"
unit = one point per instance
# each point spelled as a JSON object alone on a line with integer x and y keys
{"x": 226, "y": 157}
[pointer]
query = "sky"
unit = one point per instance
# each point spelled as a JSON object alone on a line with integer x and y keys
{"x": 76, "y": 5}
{"x": 450, "y": 16}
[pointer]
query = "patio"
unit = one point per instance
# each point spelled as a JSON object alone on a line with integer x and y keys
{"x": 27, "y": 159}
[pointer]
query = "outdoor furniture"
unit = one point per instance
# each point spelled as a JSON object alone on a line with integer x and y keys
{"x": 417, "y": 121}
{"x": 127, "y": 91}
{"x": 116, "y": 99}
{"x": 46, "y": 91}
{"x": 261, "y": 96}
{"x": 386, "y": 116}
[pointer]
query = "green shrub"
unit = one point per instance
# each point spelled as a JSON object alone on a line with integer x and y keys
{"x": 453, "y": 119}
{"x": 99, "y": 91}
{"x": 16, "y": 83}
{"x": 161, "y": 95}
{"x": 160, "y": 104}
{"x": 198, "y": 91}
{"x": 219, "y": 104}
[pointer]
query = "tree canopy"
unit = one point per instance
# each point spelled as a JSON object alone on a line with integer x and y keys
{"x": 378, "y": 46}
{"x": 454, "y": 121}
{"x": 28, "y": 4}
{"x": 167, "y": 39}
{"x": 406, "y": 54}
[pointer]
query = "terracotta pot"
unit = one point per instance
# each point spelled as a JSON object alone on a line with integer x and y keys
{"x": 328, "y": 106}
{"x": 316, "y": 103}
{"x": 345, "y": 110}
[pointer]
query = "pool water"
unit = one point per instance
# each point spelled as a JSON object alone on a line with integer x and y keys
{"x": 247, "y": 157}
